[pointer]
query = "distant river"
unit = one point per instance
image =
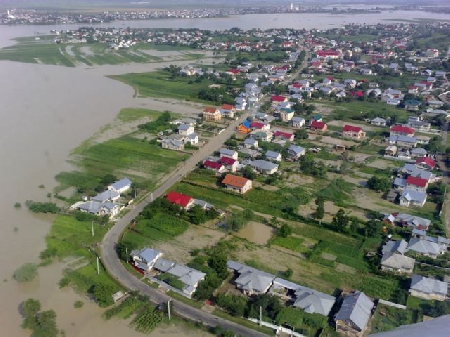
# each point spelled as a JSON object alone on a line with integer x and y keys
{"x": 48, "y": 110}
{"x": 261, "y": 21}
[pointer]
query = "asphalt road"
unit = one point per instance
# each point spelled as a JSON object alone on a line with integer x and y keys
{"x": 117, "y": 270}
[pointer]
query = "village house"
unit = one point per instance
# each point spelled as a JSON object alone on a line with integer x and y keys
{"x": 249, "y": 280}
{"x": 298, "y": 122}
{"x": 407, "y": 220}
{"x": 390, "y": 150}
{"x": 214, "y": 166}
{"x": 100, "y": 208}
{"x": 400, "y": 130}
{"x": 244, "y": 127}
{"x": 211, "y": 114}
{"x": 237, "y": 184}
{"x": 428, "y": 288}
{"x": 172, "y": 144}
{"x": 182, "y": 200}
{"x": 259, "y": 126}
{"x": 276, "y": 99}
{"x": 250, "y": 143}
{"x": 316, "y": 126}
{"x": 228, "y": 153}
{"x": 353, "y": 132}
{"x": 296, "y": 152}
{"x": 354, "y": 315}
{"x": 286, "y": 114}
{"x": 416, "y": 183}
{"x": 394, "y": 260}
{"x": 378, "y": 121}
{"x": 228, "y": 110}
{"x": 185, "y": 129}
{"x": 412, "y": 198}
{"x": 230, "y": 164}
{"x": 145, "y": 258}
{"x": 425, "y": 163}
{"x": 188, "y": 276}
{"x": 273, "y": 156}
{"x": 264, "y": 166}
{"x": 312, "y": 301}
{"x": 264, "y": 136}
{"x": 286, "y": 136}
{"x": 105, "y": 196}
{"x": 425, "y": 247}
{"x": 121, "y": 185}
{"x": 403, "y": 141}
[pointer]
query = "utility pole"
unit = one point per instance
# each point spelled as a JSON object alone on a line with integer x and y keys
{"x": 168, "y": 308}
{"x": 98, "y": 265}
{"x": 92, "y": 228}
{"x": 260, "y": 315}
{"x": 151, "y": 197}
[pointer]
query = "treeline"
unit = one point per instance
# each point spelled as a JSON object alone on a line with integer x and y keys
{"x": 42, "y": 207}
{"x": 160, "y": 124}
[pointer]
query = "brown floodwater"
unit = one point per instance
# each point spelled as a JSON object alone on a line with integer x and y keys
{"x": 256, "y": 232}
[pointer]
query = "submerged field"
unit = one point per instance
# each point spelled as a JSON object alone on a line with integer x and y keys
{"x": 43, "y": 50}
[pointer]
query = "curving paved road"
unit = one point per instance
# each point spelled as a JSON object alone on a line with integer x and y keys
{"x": 118, "y": 271}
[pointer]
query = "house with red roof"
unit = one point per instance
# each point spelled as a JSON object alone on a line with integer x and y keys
{"x": 228, "y": 110}
{"x": 317, "y": 126}
{"x": 283, "y": 136}
{"x": 182, "y": 200}
{"x": 416, "y": 183}
{"x": 259, "y": 126}
{"x": 327, "y": 53}
{"x": 279, "y": 99}
{"x": 212, "y": 114}
{"x": 214, "y": 166}
{"x": 229, "y": 163}
{"x": 425, "y": 163}
{"x": 237, "y": 184}
{"x": 233, "y": 72}
{"x": 400, "y": 130}
{"x": 353, "y": 132}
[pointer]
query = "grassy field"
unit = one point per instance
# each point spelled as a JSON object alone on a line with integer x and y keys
{"x": 387, "y": 318}
{"x": 127, "y": 156}
{"x": 44, "y": 50}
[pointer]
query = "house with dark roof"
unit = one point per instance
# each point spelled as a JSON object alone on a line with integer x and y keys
{"x": 428, "y": 288}
{"x": 273, "y": 156}
{"x": 313, "y": 302}
{"x": 237, "y": 184}
{"x": 180, "y": 199}
{"x": 354, "y": 315}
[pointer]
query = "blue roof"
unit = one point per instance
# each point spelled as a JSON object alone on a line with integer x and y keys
{"x": 246, "y": 123}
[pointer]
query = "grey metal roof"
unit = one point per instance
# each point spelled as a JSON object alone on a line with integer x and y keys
{"x": 399, "y": 182}
{"x": 356, "y": 308}
{"x": 96, "y": 207}
{"x": 314, "y": 302}
{"x": 122, "y": 183}
{"x": 414, "y": 171}
{"x": 227, "y": 152}
{"x": 163, "y": 264}
{"x": 286, "y": 284}
{"x": 148, "y": 254}
{"x": 203, "y": 203}
{"x": 106, "y": 195}
{"x": 296, "y": 149}
{"x": 254, "y": 280}
{"x": 413, "y": 195}
{"x": 272, "y": 154}
{"x": 263, "y": 165}
{"x": 428, "y": 285}
{"x": 233, "y": 265}
{"x": 397, "y": 261}
{"x": 297, "y": 119}
{"x": 184, "y": 127}
{"x": 423, "y": 246}
{"x": 395, "y": 247}
{"x": 412, "y": 220}
{"x": 404, "y": 139}
{"x": 437, "y": 327}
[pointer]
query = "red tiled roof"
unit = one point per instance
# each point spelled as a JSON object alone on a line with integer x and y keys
{"x": 282, "y": 134}
{"x": 277, "y": 98}
{"x": 235, "y": 181}
{"x": 227, "y": 161}
{"x": 358, "y": 93}
{"x": 416, "y": 181}
{"x": 324, "y": 53}
{"x": 210, "y": 110}
{"x": 234, "y": 71}
{"x": 257, "y": 125}
{"x": 426, "y": 160}
{"x": 227, "y": 106}
{"x": 317, "y": 125}
{"x": 212, "y": 164}
{"x": 402, "y": 129}
{"x": 351, "y": 128}
{"x": 178, "y": 198}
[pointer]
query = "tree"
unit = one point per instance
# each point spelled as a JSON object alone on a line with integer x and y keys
{"x": 218, "y": 262}
{"x": 288, "y": 273}
{"x": 103, "y": 294}
{"x": 285, "y": 231}
{"x": 340, "y": 220}
{"x": 124, "y": 249}
{"x": 320, "y": 210}
{"x": 379, "y": 184}
{"x": 29, "y": 310}
{"x": 301, "y": 134}
{"x": 197, "y": 215}
{"x": 25, "y": 273}
{"x": 248, "y": 173}
{"x": 373, "y": 228}
{"x": 46, "y": 324}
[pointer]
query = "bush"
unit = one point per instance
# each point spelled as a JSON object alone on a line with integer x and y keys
{"x": 78, "y": 304}
{"x": 25, "y": 273}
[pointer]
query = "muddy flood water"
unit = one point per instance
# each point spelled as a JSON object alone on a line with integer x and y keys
{"x": 47, "y": 111}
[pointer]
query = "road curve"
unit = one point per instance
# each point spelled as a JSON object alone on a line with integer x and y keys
{"x": 129, "y": 281}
